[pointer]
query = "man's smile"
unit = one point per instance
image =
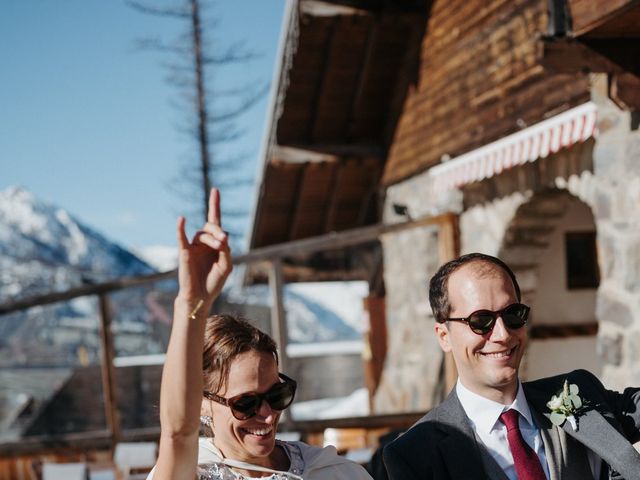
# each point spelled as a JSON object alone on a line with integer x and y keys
{"x": 260, "y": 432}
{"x": 500, "y": 354}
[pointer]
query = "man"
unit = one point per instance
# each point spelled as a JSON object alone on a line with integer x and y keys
{"x": 492, "y": 425}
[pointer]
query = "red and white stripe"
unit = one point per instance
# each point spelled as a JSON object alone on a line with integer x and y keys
{"x": 537, "y": 141}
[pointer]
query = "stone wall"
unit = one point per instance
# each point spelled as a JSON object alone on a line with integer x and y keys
{"x": 616, "y": 205}
{"x": 413, "y": 359}
{"x": 495, "y": 218}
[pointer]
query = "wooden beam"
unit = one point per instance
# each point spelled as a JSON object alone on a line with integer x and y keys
{"x": 342, "y": 149}
{"x": 624, "y": 53}
{"x": 279, "y": 321}
{"x": 603, "y": 12}
{"x": 289, "y": 154}
{"x": 37, "y": 444}
{"x": 369, "y": 196}
{"x": 355, "y": 7}
{"x": 278, "y": 312}
{"x": 296, "y": 205}
{"x": 363, "y": 75}
{"x": 107, "y": 369}
{"x": 74, "y": 442}
{"x": 317, "y": 96}
{"x": 571, "y": 56}
{"x": 333, "y": 198}
{"x": 317, "y": 8}
{"x": 293, "y": 273}
{"x": 394, "y": 421}
{"x": 607, "y": 55}
{"x": 449, "y": 248}
{"x": 337, "y": 240}
{"x": 624, "y": 90}
{"x": 449, "y": 239}
{"x": 95, "y": 289}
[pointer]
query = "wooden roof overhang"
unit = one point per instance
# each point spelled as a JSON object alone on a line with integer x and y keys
{"x": 345, "y": 68}
{"x": 599, "y": 36}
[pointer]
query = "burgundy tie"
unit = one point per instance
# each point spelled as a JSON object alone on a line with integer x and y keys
{"x": 525, "y": 460}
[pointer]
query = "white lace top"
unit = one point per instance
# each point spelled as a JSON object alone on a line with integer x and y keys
{"x": 222, "y": 470}
{"x": 306, "y": 463}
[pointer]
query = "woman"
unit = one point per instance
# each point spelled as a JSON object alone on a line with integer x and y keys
{"x": 225, "y": 371}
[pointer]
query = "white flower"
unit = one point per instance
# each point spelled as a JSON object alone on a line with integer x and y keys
{"x": 566, "y": 405}
{"x": 555, "y": 403}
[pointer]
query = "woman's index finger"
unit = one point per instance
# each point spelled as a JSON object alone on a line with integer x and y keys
{"x": 183, "y": 241}
{"x": 213, "y": 215}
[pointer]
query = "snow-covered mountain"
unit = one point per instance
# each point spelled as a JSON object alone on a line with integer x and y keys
{"x": 45, "y": 249}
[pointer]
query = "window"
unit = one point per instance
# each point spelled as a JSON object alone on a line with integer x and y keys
{"x": 582, "y": 260}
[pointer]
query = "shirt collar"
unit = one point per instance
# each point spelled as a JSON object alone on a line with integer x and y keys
{"x": 484, "y": 413}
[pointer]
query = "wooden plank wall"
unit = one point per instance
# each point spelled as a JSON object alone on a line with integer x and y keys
{"x": 479, "y": 81}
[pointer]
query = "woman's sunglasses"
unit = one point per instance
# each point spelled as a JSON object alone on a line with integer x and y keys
{"x": 482, "y": 321}
{"x": 246, "y": 405}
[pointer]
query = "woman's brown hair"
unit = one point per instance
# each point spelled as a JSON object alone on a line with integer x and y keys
{"x": 227, "y": 336}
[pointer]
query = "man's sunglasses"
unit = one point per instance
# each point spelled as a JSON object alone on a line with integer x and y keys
{"x": 482, "y": 321}
{"x": 246, "y": 405}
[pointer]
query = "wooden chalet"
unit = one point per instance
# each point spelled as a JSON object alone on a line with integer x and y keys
{"x": 405, "y": 132}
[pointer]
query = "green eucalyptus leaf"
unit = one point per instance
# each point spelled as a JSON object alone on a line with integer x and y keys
{"x": 573, "y": 389}
{"x": 557, "y": 418}
{"x": 575, "y": 399}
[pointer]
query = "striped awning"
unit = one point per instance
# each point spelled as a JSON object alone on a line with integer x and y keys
{"x": 537, "y": 141}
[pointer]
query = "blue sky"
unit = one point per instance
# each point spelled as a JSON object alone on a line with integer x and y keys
{"x": 88, "y": 122}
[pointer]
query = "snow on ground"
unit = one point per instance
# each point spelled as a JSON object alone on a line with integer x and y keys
{"x": 316, "y": 312}
{"x": 354, "y": 405}
{"x": 342, "y": 298}
{"x": 161, "y": 257}
{"x": 324, "y": 349}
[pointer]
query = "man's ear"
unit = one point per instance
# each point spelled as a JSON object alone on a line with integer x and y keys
{"x": 442, "y": 334}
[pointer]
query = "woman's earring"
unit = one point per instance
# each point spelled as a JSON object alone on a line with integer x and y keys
{"x": 206, "y": 420}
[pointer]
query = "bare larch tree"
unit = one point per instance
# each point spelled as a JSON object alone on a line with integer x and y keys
{"x": 190, "y": 78}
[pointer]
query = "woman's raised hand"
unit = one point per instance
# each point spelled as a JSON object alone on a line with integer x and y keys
{"x": 204, "y": 263}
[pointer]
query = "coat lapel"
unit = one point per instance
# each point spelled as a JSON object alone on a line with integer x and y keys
{"x": 552, "y": 445}
{"x": 491, "y": 467}
{"x": 461, "y": 454}
{"x": 566, "y": 457}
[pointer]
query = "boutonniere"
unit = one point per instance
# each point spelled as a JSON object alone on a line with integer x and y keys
{"x": 566, "y": 405}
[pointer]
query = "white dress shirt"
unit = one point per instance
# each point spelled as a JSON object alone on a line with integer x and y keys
{"x": 484, "y": 417}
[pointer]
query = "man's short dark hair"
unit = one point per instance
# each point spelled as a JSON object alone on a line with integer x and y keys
{"x": 438, "y": 286}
